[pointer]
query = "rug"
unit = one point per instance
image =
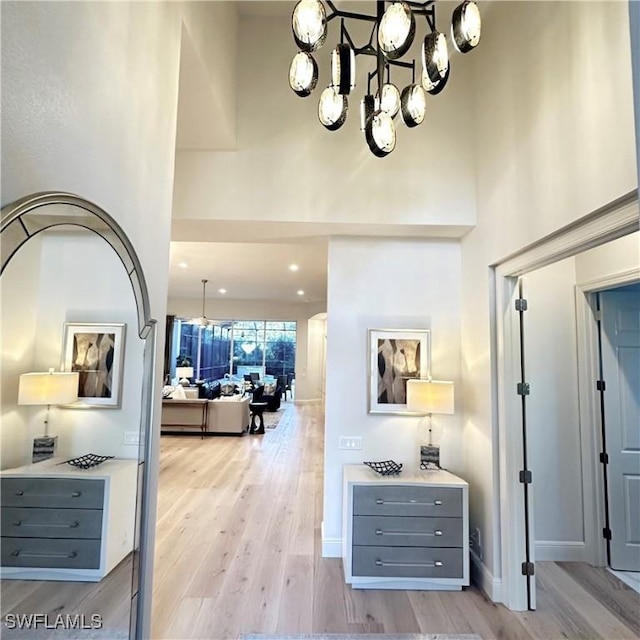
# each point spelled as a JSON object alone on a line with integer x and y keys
{"x": 362, "y": 636}
{"x": 272, "y": 418}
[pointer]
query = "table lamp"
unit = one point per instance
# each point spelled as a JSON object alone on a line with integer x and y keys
{"x": 428, "y": 397}
{"x": 184, "y": 373}
{"x": 47, "y": 388}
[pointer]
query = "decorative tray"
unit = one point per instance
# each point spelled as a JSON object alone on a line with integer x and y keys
{"x": 87, "y": 461}
{"x": 386, "y": 467}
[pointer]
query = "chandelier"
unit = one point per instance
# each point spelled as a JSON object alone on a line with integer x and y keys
{"x": 392, "y": 34}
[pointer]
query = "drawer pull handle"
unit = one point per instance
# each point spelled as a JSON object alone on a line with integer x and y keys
{"x": 435, "y": 503}
{"x": 33, "y": 554}
{"x": 428, "y": 534}
{"x": 22, "y": 494}
{"x": 51, "y": 525}
{"x": 437, "y": 563}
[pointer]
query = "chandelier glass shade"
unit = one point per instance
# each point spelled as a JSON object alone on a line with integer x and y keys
{"x": 414, "y": 105}
{"x": 303, "y": 74}
{"x": 380, "y": 134}
{"x": 466, "y": 27}
{"x": 396, "y": 30}
{"x": 332, "y": 109}
{"x": 309, "y": 24}
{"x": 392, "y": 35}
{"x": 435, "y": 56}
{"x": 390, "y": 99}
{"x": 343, "y": 69}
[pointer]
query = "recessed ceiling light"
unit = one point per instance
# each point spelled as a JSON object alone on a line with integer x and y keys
{"x": 183, "y": 265}
{"x": 222, "y": 291}
{"x": 293, "y": 267}
{"x": 300, "y": 292}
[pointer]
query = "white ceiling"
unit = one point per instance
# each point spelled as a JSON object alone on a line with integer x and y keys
{"x": 245, "y": 265}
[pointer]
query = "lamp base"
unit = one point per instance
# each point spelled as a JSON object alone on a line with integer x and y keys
{"x": 44, "y": 448}
{"x": 429, "y": 457}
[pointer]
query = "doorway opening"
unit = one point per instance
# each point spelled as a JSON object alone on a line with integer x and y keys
{"x": 603, "y": 267}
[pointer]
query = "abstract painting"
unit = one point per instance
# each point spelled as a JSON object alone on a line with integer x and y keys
{"x": 96, "y": 352}
{"x": 395, "y": 356}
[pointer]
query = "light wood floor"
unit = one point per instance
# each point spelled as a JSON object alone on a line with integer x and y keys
{"x": 238, "y": 551}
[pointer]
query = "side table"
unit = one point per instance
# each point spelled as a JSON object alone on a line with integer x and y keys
{"x": 257, "y": 409}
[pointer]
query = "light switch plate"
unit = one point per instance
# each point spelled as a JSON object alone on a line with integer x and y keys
{"x": 352, "y": 443}
{"x": 131, "y": 437}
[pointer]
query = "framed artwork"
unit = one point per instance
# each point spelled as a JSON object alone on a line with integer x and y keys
{"x": 395, "y": 356}
{"x": 96, "y": 352}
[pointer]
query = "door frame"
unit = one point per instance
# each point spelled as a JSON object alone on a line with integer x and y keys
{"x": 615, "y": 220}
{"x": 589, "y": 407}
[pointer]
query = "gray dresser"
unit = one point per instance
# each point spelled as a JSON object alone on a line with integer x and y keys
{"x": 409, "y": 531}
{"x": 62, "y": 523}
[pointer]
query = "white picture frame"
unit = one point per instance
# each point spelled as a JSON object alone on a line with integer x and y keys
{"x": 96, "y": 352}
{"x": 395, "y": 356}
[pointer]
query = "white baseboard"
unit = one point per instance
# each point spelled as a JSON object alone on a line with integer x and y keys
{"x": 560, "y": 551}
{"x": 331, "y": 547}
{"x": 483, "y": 578}
{"x": 309, "y": 401}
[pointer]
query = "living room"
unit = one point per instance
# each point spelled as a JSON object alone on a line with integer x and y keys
{"x": 414, "y": 239}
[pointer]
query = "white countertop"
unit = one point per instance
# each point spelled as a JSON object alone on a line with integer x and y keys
{"x": 53, "y": 469}
{"x": 363, "y": 474}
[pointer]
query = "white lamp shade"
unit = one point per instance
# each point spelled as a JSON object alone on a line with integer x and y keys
{"x": 184, "y": 372}
{"x": 430, "y": 396}
{"x": 48, "y": 388}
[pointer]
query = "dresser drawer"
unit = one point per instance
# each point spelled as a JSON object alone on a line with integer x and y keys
{"x": 53, "y": 493}
{"x": 400, "y": 500}
{"x": 50, "y": 553}
{"x": 393, "y": 531}
{"x": 407, "y": 562}
{"x": 34, "y": 522}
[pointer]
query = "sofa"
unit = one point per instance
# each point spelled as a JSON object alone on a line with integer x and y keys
{"x": 223, "y": 415}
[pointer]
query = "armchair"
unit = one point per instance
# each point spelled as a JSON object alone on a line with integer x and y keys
{"x": 272, "y": 399}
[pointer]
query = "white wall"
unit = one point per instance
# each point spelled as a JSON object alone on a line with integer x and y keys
{"x": 287, "y": 167}
{"x": 18, "y": 319}
{"x": 554, "y": 141}
{"x": 82, "y": 281}
{"x": 89, "y": 96}
{"x": 85, "y": 282}
{"x": 619, "y": 257}
{"x": 380, "y": 284}
{"x": 553, "y": 416}
{"x": 316, "y": 357}
{"x": 306, "y": 371}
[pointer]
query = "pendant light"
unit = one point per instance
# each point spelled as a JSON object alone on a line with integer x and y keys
{"x": 204, "y": 322}
{"x": 393, "y": 25}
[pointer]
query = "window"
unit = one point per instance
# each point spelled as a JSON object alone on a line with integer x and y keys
{"x": 234, "y": 346}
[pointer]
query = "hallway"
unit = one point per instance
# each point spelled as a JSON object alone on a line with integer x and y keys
{"x": 238, "y": 551}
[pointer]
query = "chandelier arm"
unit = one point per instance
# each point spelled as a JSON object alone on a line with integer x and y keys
{"x": 339, "y": 13}
{"x": 380, "y": 57}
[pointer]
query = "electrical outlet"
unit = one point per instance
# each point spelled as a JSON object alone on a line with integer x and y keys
{"x": 132, "y": 437}
{"x": 352, "y": 443}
